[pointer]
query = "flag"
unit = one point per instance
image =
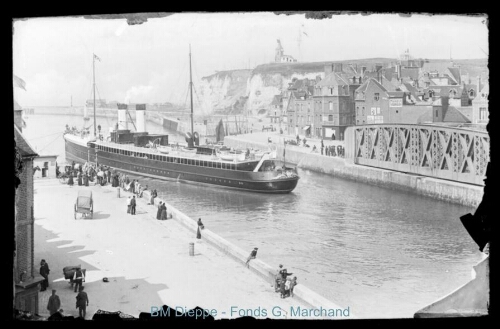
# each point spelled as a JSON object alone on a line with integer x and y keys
{"x": 18, "y": 82}
{"x": 95, "y": 56}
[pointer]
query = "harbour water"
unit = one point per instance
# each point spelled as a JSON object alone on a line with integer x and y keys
{"x": 383, "y": 253}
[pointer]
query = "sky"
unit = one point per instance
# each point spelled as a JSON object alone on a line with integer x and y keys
{"x": 149, "y": 62}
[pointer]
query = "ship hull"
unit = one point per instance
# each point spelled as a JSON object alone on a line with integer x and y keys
{"x": 261, "y": 182}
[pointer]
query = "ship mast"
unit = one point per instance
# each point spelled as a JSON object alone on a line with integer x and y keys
{"x": 93, "y": 77}
{"x": 191, "y": 89}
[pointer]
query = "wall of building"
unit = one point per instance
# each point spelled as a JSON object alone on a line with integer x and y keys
{"x": 25, "y": 222}
{"x": 376, "y": 110}
{"x": 40, "y": 162}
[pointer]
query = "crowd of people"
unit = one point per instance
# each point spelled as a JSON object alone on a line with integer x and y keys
{"x": 283, "y": 284}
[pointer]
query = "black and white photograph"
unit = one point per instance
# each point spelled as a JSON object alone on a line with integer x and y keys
{"x": 270, "y": 165}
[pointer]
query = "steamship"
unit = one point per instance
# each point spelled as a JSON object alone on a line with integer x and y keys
{"x": 151, "y": 155}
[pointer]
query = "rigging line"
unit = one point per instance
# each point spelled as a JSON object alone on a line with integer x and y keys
{"x": 49, "y": 143}
{"x": 35, "y": 138}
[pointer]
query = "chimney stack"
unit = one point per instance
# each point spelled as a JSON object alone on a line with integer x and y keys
{"x": 328, "y": 69}
{"x": 140, "y": 109}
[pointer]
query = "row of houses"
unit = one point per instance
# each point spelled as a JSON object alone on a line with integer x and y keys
{"x": 404, "y": 92}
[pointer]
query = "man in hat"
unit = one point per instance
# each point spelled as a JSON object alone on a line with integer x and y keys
{"x": 277, "y": 277}
{"x": 44, "y": 271}
{"x": 82, "y": 301}
{"x": 253, "y": 255}
{"x": 78, "y": 278}
{"x": 54, "y": 303}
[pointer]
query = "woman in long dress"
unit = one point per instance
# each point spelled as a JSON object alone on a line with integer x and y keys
{"x": 153, "y": 196}
{"x": 79, "y": 179}
{"x": 158, "y": 213}
{"x": 163, "y": 212}
{"x": 70, "y": 179}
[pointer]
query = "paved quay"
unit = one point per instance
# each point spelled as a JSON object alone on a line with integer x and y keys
{"x": 146, "y": 261}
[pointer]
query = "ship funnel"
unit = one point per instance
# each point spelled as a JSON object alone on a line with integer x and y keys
{"x": 122, "y": 116}
{"x": 140, "y": 110}
{"x": 189, "y": 139}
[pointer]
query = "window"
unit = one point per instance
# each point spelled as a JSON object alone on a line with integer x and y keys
{"x": 331, "y": 91}
{"x": 330, "y": 117}
{"x": 330, "y": 106}
{"x": 483, "y": 113}
{"x": 377, "y": 96}
{"x": 472, "y": 94}
{"x": 436, "y": 113}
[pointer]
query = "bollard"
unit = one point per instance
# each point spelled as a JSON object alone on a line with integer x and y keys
{"x": 191, "y": 248}
{"x": 118, "y": 191}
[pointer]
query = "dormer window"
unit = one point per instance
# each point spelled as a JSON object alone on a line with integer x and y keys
{"x": 472, "y": 93}
{"x": 377, "y": 96}
{"x": 453, "y": 92}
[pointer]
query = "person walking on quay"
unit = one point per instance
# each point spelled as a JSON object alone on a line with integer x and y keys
{"x": 78, "y": 278}
{"x": 332, "y": 152}
{"x": 282, "y": 288}
{"x": 132, "y": 187}
{"x": 44, "y": 271}
{"x": 70, "y": 178}
{"x": 54, "y": 303}
{"x": 153, "y": 196}
{"x": 293, "y": 283}
{"x": 200, "y": 224}
{"x": 158, "y": 213}
{"x": 82, "y": 301}
{"x": 132, "y": 205}
{"x": 322, "y": 148}
{"x": 322, "y": 144}
{"x": 79, "y": 179}
{"x": 277, "y": 278}
{"x": 163, "y": 215}
{"x": 109, "y": 175}
{"x": 127, "y": 181}
{"x": 129, "y": 204}
{"x": 327, "y": 151}
{"x": 141, "y": 191}
{"x": 253, "y": 255}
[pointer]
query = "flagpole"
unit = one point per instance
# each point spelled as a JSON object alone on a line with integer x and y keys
{"x": 93, "y": 76}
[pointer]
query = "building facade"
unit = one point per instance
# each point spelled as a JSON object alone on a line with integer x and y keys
{"x": 334, "y": 106}
{"x": 26, "y": 277}
{"x": 45, "y": 166}
{"x": 480, "y": 112}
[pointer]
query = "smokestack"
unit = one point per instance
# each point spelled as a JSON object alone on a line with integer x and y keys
{"x": 122, "y": 116}
{"x": 140, "y": 109}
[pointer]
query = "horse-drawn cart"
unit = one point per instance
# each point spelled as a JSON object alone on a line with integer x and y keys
{"x": 84, "y": 204}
